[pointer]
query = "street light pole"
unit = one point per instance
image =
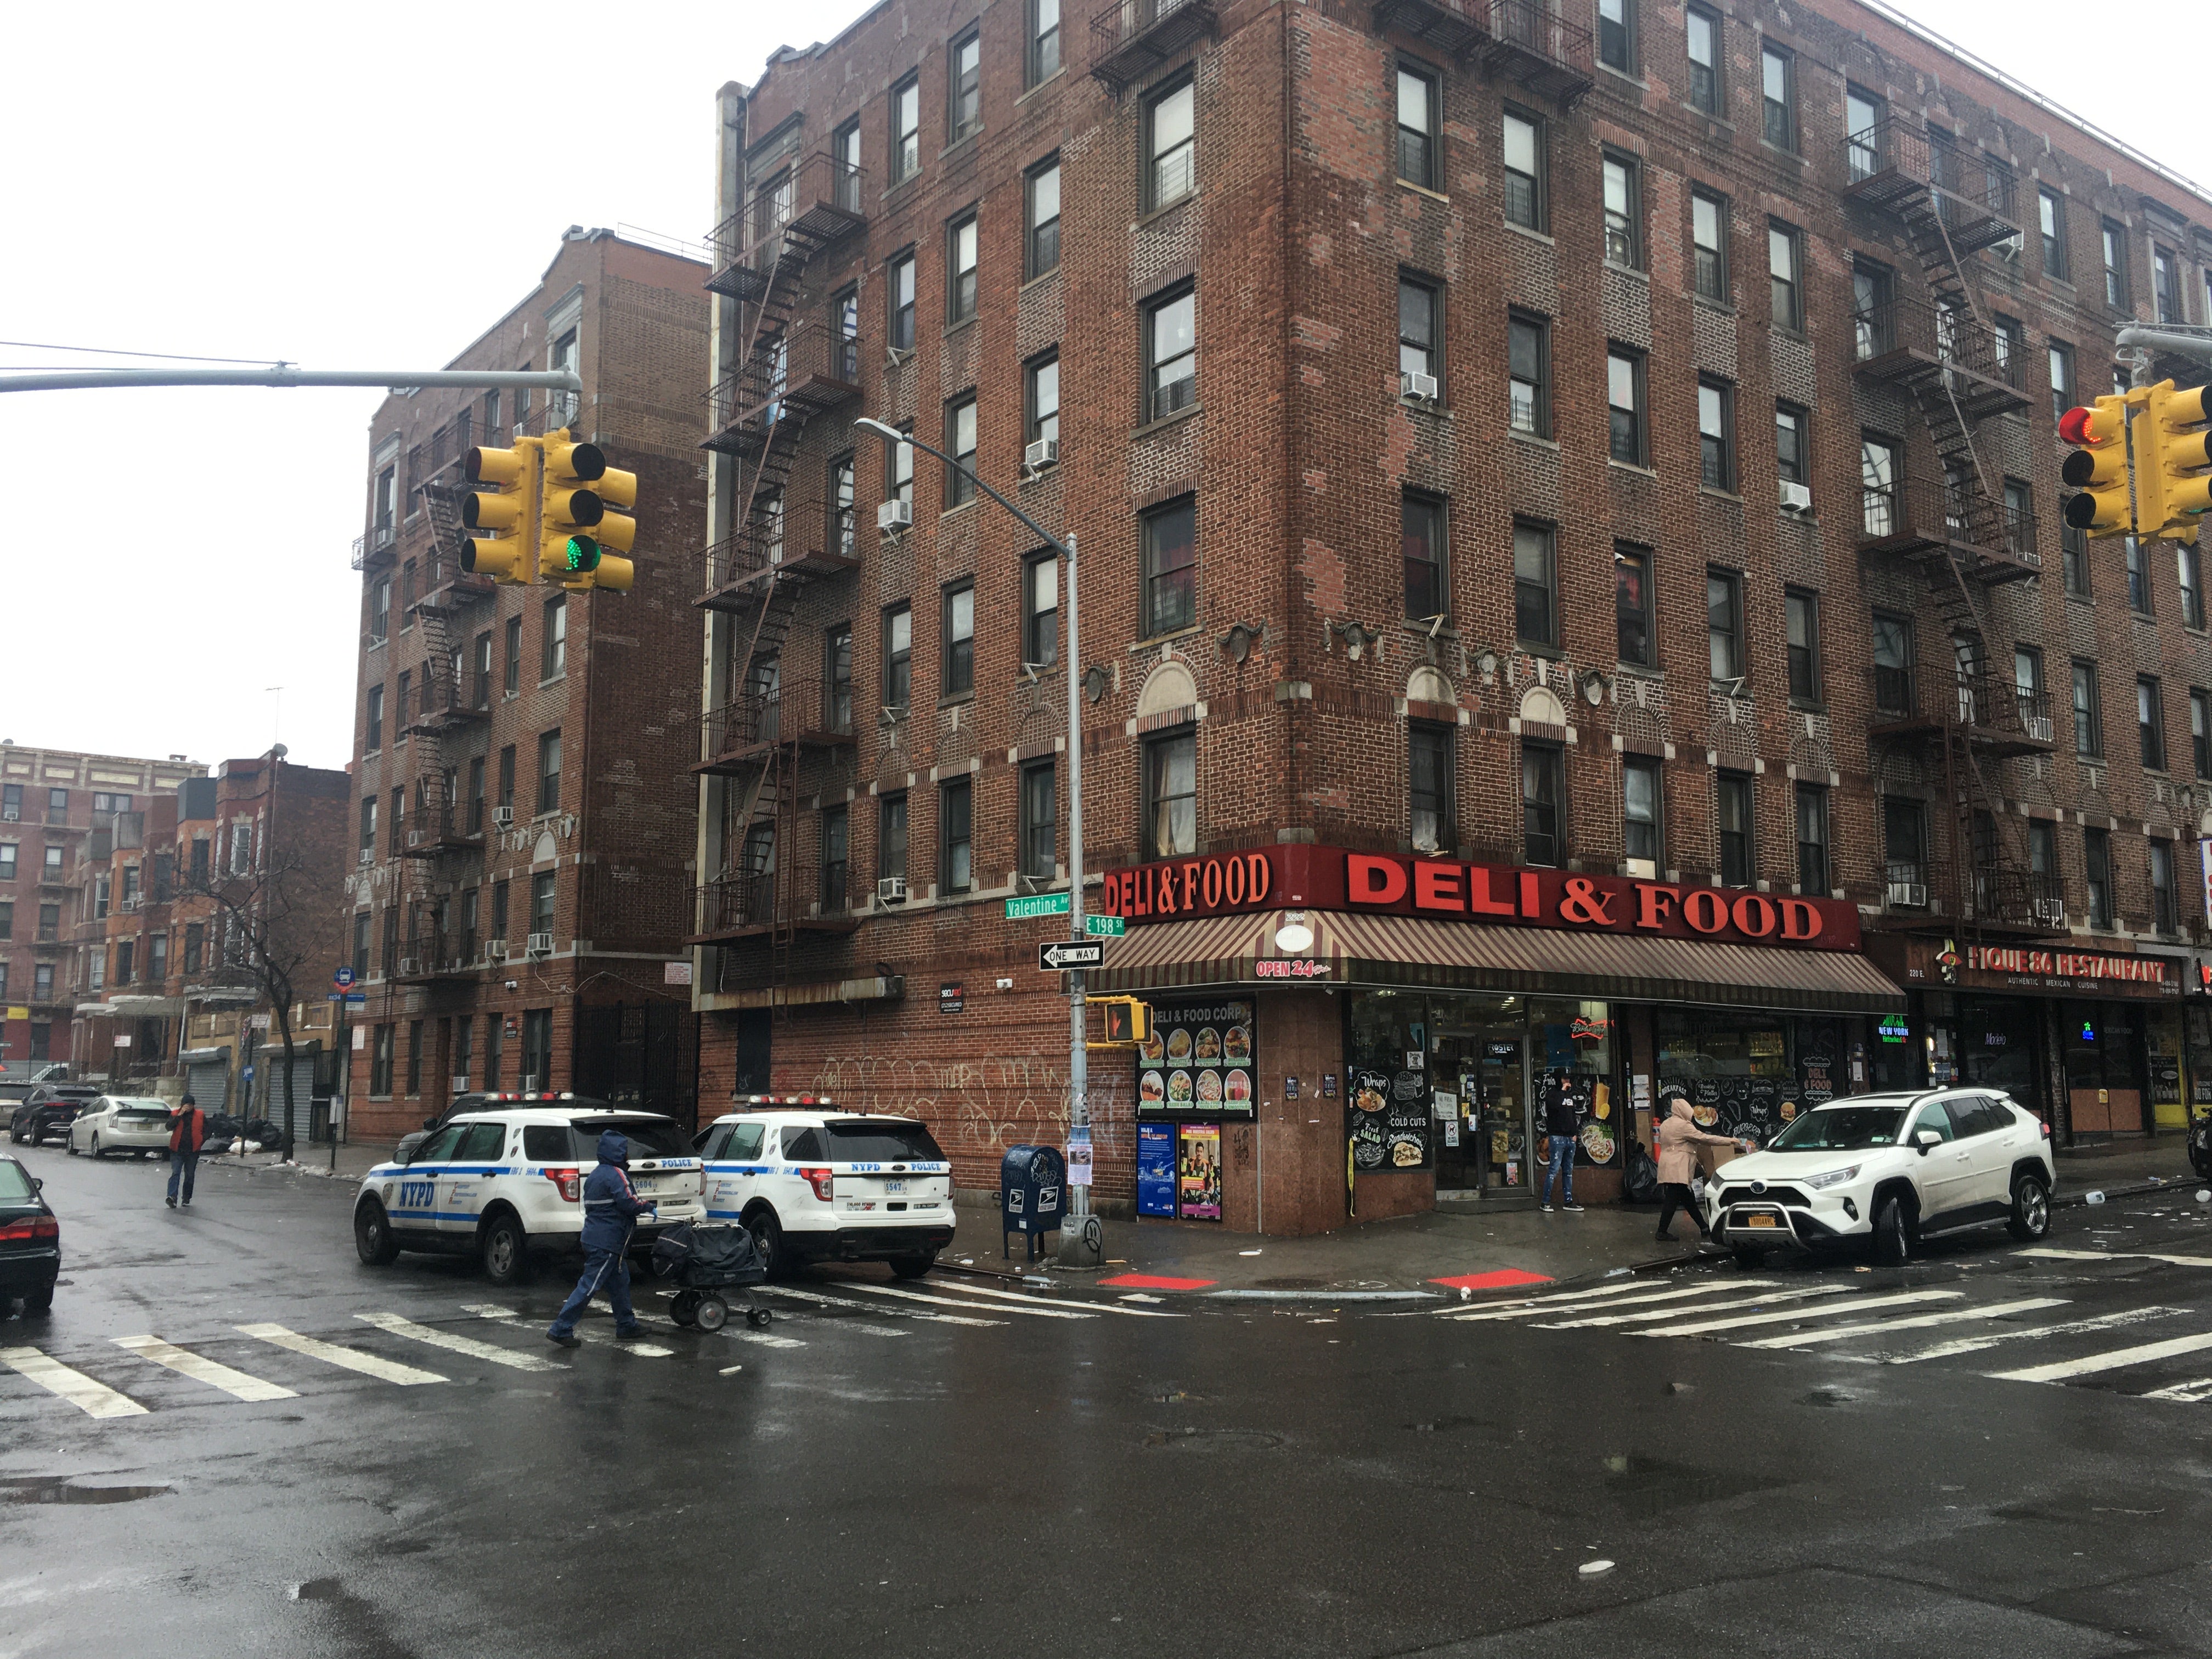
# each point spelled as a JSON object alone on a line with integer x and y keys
{"x": 1082, "y": 1244}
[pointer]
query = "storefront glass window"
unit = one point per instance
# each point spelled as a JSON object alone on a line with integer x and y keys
{"x": 1748, "y": 1072}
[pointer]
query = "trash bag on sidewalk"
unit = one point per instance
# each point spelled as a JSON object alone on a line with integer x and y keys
{"x": 1639, "y": 1180}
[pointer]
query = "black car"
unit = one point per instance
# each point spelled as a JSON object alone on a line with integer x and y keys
{"x": 30, "y": 1240}
{"x": 49, "y": 1109}
{"x": 478, "y": 1100}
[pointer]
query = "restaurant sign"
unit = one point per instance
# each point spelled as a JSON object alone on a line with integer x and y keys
{"x": 2028, "y": 969}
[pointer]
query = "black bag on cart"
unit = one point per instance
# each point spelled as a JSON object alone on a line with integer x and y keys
{"x": 704, "y": 1255}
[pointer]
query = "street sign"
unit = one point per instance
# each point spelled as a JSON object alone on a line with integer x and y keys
{"x": 356, "y": 1000}
{"x": 1071, "y": 953}
{"x": 1104, "y": 926}
{"x": 1036, "y": 904}
{"x": 342, "y": 978}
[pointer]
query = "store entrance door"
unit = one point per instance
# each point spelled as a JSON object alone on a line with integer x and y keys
{"x": 1491, "y": 1069}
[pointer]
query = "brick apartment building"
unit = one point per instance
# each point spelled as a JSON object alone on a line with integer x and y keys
{"x": 1573, "y": 593}
{"x": 54, "y": 804}
{"x": 524, "y": 813}
{"x": 179, "y": 897}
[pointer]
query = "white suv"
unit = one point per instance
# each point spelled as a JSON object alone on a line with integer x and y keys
{"x": 507, "y": 1186}
{"x": 814, "y": 1183}
{"x": 1896, "y": 1168}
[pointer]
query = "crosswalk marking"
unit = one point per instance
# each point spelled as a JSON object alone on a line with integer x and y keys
{"x": 467, "y": 1344}
{"x": 1975, "y": 1344}
{"x": 1762, "y": 1300}
{"x": 93, "y": 1399}
{"x": 2188, "y": 1392}
{"x": 2116, "y": 1359}
{"x": 2051, "y": 1253}
{"x": 887, "y": 1312}
{"x": 1698, "y": 1328}
{"x": 948, "y": 1301}
{"x": 201, "y": 1369}
{"x": 585, "y": 1333}
{"x": 1714, "y": 1287}
{"x": 352, "y": 1359}
{"x": 962, "y": 1286}
{"x": 762, "y": 1339}
{"x": 1503, "y": 1307}
{"x": 1952, "y": 1317}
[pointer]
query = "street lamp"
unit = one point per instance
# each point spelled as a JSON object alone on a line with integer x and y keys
{"x": 1082, "y": 1242}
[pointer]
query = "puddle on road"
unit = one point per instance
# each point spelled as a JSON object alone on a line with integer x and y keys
{"x": 63, "y": 1489}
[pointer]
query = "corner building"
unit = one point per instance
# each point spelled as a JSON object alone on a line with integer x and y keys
{"x": 1572, "y": 587}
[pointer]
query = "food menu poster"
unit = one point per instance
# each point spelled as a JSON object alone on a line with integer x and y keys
{"x": 1387, "y": 1120}
{"x": 1200, "y": 1060}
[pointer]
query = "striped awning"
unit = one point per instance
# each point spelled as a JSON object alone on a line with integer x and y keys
{"x": 1410, "y": 951}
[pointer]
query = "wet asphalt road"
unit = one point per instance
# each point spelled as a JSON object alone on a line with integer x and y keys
{"x": 974, "y": 1475}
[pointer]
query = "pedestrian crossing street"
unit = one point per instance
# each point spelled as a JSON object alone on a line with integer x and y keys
{"x": 1884, "y": 1326}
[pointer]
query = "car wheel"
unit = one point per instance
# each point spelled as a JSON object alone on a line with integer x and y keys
{"x": 39, "y": 1303}
{"x": 768, "y": 1239}
{"x": 69, "y": 1145}
{"x": 712, "y": 1313}
{"x": 913, "y": 1267}
{"x": 15, "y": 1131}
{"x": 1892, "y": 1237}
{"x": 506, "y": 1250}
{"x": 97, "y": 1155}
{"x": 2031, "y": 1209}
{"x": 372, "y": 1235}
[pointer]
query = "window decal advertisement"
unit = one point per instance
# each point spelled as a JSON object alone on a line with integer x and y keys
{"x": 1198, "y": 1171}
{"x": 1155, "y": 1169}
{"x": 1201, "y": 1057}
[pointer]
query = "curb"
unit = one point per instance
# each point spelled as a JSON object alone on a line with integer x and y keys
{"x": 2079, "y": 1200}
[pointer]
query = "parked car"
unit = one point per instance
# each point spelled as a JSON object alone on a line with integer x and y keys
{"x": 49, "y": 1109}
{"x": 814, "y": 1183}
{"x": 121, "y": 1123}
{"x": 478, "y": 1100}
{"x": 1895, "y": 1169}
{"x": 30, "y": 1240}
{"x": 507, "y": 1186}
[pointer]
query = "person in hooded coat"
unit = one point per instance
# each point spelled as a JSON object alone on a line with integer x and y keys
{"x": 611, "y": 1207}
{"x": 1678, "y": 1139}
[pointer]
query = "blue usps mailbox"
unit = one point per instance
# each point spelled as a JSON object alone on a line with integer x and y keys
{"x": 1032, "y": 1194}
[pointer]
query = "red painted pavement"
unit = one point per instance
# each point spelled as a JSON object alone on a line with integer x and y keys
{"x": 1154, "y": 1282}
{"x": 1501, "y": 1279}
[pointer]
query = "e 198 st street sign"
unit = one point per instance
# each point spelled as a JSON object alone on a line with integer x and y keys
{"x": 1055, "y": 904}
{"x": 1071, "y": 953}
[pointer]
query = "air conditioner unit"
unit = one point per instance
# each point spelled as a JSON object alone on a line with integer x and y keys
{"x": 368, "y": 856}
{"x": 1413, "y": 385}
{"x": 1044, "y": 453}
{"x": 501, "y": 816}
{"x": 414, "y": 837}
{"x": 495, "y": 950}
{"x": 1911, "y": 894}
{"x": 1796, "y": 497}
{"x": 11, "y": 815}
{"x": 409, "y": 967}
{"x": 131, "y": 902}
{"x": 891, "y": 890}
{"x": 540, "y": 945}
{"x": 2049, "y": 911}
{"x": 895, "y": 515}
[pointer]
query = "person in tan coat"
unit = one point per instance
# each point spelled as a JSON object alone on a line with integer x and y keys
{"x": 1679, "y": 1138}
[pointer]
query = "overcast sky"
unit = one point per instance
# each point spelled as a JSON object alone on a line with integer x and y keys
{"x": 349, "y": 189}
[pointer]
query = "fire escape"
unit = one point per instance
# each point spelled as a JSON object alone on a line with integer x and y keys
{"x": 1524, "y": 41}
{"x": 793, "y": 359}
{"x": 1961, "y": 524}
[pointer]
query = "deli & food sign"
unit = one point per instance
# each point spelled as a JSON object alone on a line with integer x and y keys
{"x": 1334, "y": 879}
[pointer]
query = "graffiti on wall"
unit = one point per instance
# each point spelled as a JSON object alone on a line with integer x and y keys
{"x": 977, "y": 1108}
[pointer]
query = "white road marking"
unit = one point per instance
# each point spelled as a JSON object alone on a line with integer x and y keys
{"x": 2051, "y": 1253}
{"x": 1715, "y": 1287}
{"x": 763, "y": 1338}
{"x": 1323, "y": 1295}
{"x": 2188, "y": 1392}
{"x": 864, "y": 1307}
{"x": 1976, "y": 1344}
{"x": 1824, "y": 1310}
{"x": 93, "y": 1399}
{"x": 962, "y": 1285}
{"x": 467, "y": 1344}
{"x": 2116, "y": 1359}
{"x": 1760, "y": 1301}
{"x": 201, "y": 1369}
{"x": 588, "y": 1333}
{"x": 1138, "y": 1296}
{"x": 1507, "y": 1306}
{"x": 948, "y": 1301}
{"x": 1953, "y": 1316}
{"x": 352, "y": 1359}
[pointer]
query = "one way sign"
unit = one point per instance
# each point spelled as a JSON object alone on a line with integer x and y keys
{"x": 1072, "y": 953}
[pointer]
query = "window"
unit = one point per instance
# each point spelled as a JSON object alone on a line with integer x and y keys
{"x": 2189, "y": 575}
{"x": 536, "y": 1048}
{"x": 2042, "y": 850}
{"x": 1041, "y": 252}
{"x": 2150, "y": 723}
{"x": 1862, "y": 137}
{"x": 1418, "y": 352}
{"x": 1878, "y": 486}
{"x": 2027, "y": 689}
{"x": 1813, "y": 873}
{"x": 499, "y": 917}
{"x": 1524, "y": 171}
{"x": 1703, "y": 32}
{"x": 964, "y": 88}
{"x": 1529, "y": 375}
{"x": 845, "y": 318}
{"x": 507, "y": 777}
{"x": 404, "y": 703}
{"x": 2165, "y": 288}
{"x": 1040, "y": 823}
{"x": 201, "y": 856}
{"x": 42, "y": 990}
{"x": 1624, "y": 397}
{"x": 1783, "y": 286}
{"x": 2138, "y": 561}
{"x": 2200, "y": 734}
{"x": 52, "y": 869}
{"x": 890, "y": 838}
{"x": 1792, "y": 461}
{"x": 2096, "y": 873}
{"x": 57, "y": 805}
{"x": 475, "y": 818}
{"x": 2165, "y": 913}
{"x": 195, "y": 946}
{"x": 1043, "y": 401}
{"x": 1543, "y": 800}
{"x": 549, "y": 771}
{"x": 1429, "y": 774}
{"x": 1802, "y": 619}
{"x": 2089, "y": 717}
{"x": 837, "y": 678}
{"x": 1624, "y": 212}
{"x": 50, "y": 924}
{"x": 2050, "y": 216}
{"x": 542, "y": 900}
{"x": 2006, "y": 335}
{"x": 7, "y": 919}
{"x": 898, "y": 657}
{"x": 1044, "y": 41}
{"x": 11, "y": 802}
{"x": 2114, "y": 241}
{"x": 1171, "y": 354}
{"x": 1717, "y": 434}
{"x": 1417, "y": 127}
{"x": 1616, "y": 35}
{"x": 553, "y": 642}
{"x": 1170, "y": 575}
{"x": 1170, "y": 146}
{"x": 1170, "y": 826}
{"x": 960, "y": 269}
{"x": 1777, "y": 71}
{"x": 1639, "y": 810}
{"x": 1631, "y": 605}
{"x": 414, "y": 1056}
{"x": 7, "y": 860}
{"x": 1903, "y": 842}
{"x": 960, "y": 443}
{"x": 844, "y": 520}
{"x": 1041, "y": 611}
{"x": 845, "y": 179}
{"x": 900, "y": 287}
{"x": 380, "y": 610}
{"x": 899, "y": 465}
{"x": 374, "y": 740}
{"x": 397, "y": 839}
{"x": 480, "y": 666}
{"x": 956, "y": 836}
{"x": 379, "y": 1060}
{"x": 835, "y": 831}
{"x": 1421, "y": 538}
{"x": 513, "y": 642}
{"x": 1871, "y": 310}
{"x": 1724, "y": 624}
{"x": 1708, "y": 242}
{"x": 2062, "y": 378}
{"x": 1536, "y": 590}
{"x": 959, "y": 635}
{"x": 470, "y": 898}
{"x": 906, "y": 130}
{"x": 368, "y": 827}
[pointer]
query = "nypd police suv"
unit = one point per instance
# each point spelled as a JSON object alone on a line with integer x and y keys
{"x": 507, "y": 1185}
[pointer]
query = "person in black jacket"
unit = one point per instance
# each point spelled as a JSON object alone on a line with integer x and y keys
{"x": 611, "y": 1207}
{"x": 1561, "y": 1121}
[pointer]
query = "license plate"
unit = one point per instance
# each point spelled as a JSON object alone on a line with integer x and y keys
{"x": 1760, "y": 1221}
{"x": 646, "y": 1186}
{"x": 893, "y": 1185}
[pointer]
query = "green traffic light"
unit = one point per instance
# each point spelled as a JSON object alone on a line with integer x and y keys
{"x": 583, "y": 553}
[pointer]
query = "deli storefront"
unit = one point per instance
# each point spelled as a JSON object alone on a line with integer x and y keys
{"x": 1348, "y": 1036}
{"x": 2097, "y": 1044}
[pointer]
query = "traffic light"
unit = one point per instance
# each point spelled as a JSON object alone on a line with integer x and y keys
{"x": 1128, "y": 1020}
{"x": 2172, "y": 450}
{"x": 2097, "y": 467}
{"x": 616, "y": 530}
{"x": 577, "y": 530}
{"x": 505, "y": 510}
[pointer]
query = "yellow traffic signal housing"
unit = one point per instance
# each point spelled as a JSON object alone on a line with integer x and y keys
{"x": 508, "y": 510}
{"x": 617, "y": 530}
{"x": 2172, "y": 450}
{"x": 1129, "y": 1022}
{"x": 2097, "y": 467}
{"x": 576, "y": 529}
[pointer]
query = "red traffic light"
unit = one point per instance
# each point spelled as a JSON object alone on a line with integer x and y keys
{"x": 2074, "y": 425}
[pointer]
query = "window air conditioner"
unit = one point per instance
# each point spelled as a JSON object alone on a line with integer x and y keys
{"x": 891, "y": 890}
{"x": 895, "y": 515}
{"x": 414, "y": 837}
{"x": 368, "y": 855}
{"x": 1911, "y": 894}
{"x": 1413, "y": 385}
{"x": 540, "y": 945}
{"x": 495, "y": 950}
{"x": 2051, "y": 911}
{"x": 131, "y": 903}
{"x": 1044, "y": 453}
{"x": 409, "y": 967}
{"x": 503, "y": 816}
{"x": 11, "y": 815}
{"x": 1796, "y": 497}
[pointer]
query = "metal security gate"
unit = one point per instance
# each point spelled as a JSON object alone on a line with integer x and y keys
{"x": 207, "y": 1082}
{"x": 640, "y": 1055}
{"x": 268, "y": 1089}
